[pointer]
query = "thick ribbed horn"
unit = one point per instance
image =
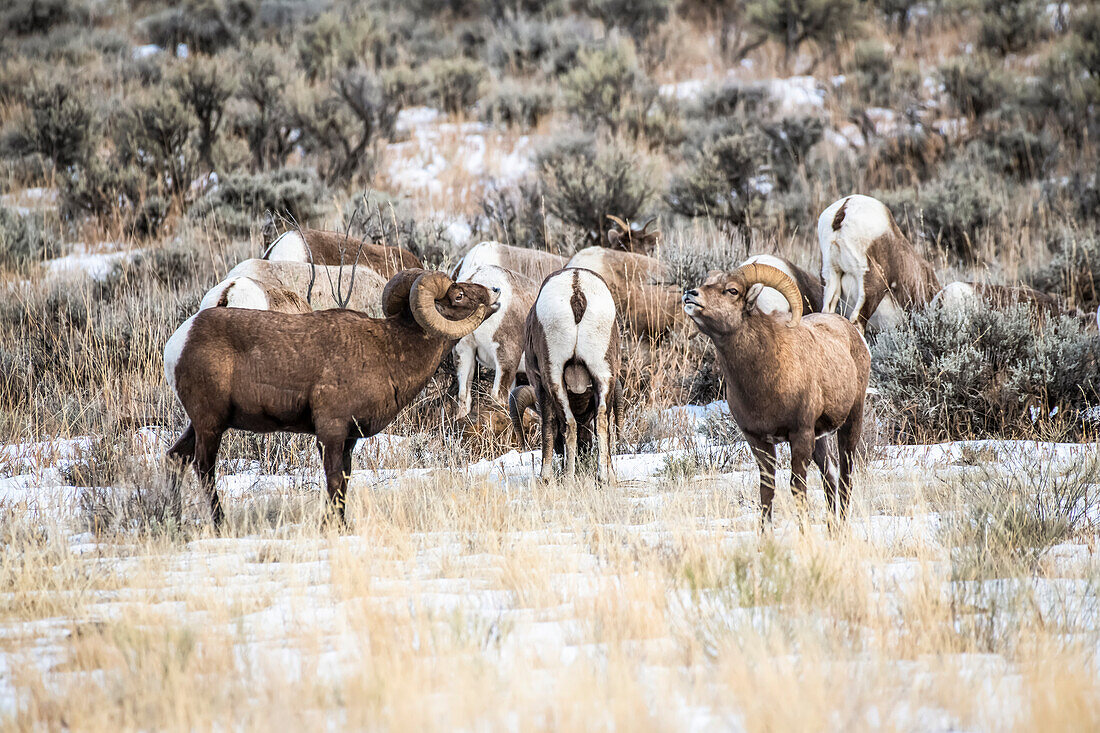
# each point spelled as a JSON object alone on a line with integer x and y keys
{"x": 430, "y": 287}
{"x": 772, "y": 277}
{"x": 395, "y": 296}
{"x": 622, "y": 224}
{"x": 519, "y": 400}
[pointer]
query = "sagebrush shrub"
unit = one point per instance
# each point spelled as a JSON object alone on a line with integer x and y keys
{"x": 205, "y": 26}
{"x": 260, "y": 113}
{"x": 342, "y": 126}
{"x": 721, "y": 179}
{"x": 982, "y": 372}
{"x": 516, "y": 106}
{"x": 23, "y": 17}
{"x": 24, "y": 240}
{"x": 238, "y": 202}
{"x": 1016, "y": 151}
{"x": 524, "y": 44}
{"x": 204, "y": 86}
{"x": 453, "y": 84}
{"x": 153, "y": 133}
{"x": 959, "y": 204}
{"x": 880, "y": 80}
{"x": 608, "y": 89}
{"x": 795, "y": 22}
{"x": 60, "y": 124}
{"x": 636, "y": 17}
{"x": 974, "y": 84}
{"x": 1074, "y": 271}
{"x": 1011, "y": 26}
{"x": 584, "y": 182}
{"x": 513, "y": 214}
{"x": 382, "y": 219}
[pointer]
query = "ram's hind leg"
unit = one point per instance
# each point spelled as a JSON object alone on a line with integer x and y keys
{"x": 180, "y": 456}
{"x": 829, "y": 476}
{"x": 206, "y": 457}
{"x": 847, "y": 438}
{"x": 764, "y": 453}
{"x": 549, "y": 435}
{"x": 604, "y": 432}
{"x": 802, "y": 448}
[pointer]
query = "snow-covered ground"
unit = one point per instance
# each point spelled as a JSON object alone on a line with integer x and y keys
{"x": 482, "y": 565}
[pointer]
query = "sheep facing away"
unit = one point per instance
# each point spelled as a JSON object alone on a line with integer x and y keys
{"x": 339, "y": 375}
{"x": 266, "y": 285}
{"x": 788, "y": 379}
{"x": 318, "y": 247}
{"x": 498, "y": 342}
{"x": 572, "y": 354}
{"x": 868, "y": 263}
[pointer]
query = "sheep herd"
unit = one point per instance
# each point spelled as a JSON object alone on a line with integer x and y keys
{"x": 332, "y": 337}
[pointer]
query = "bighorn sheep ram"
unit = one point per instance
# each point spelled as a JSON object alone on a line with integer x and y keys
{"x": 638, "y": 283}
{"x": 283, "y": 286}
{"x": 789, "y": 379}
{"x": 531, "y": 263}
{"x": 771, "y": 300}
{"x": 572, "y": 353}
{"x": 335, "y": 248}
{"x": 867, "y": 261}
{"x": 338, "y": 375}
{"x": 498, "y": 342}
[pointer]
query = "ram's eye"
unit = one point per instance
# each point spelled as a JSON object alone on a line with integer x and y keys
{"x": 458, "y": 296}
{"x": 731, "y": 291}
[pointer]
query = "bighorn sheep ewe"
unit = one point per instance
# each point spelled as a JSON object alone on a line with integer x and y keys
{"x": 638, "y": 284}
{"x": 867, "y": 261}
{"x": 572, "y": 353}
{"x": 531, "y": 263}
{"x": 265, "y": 285}
{"x": 339, "y": 375}
{"x": 771, "y": 300}
{"x": 498, "y": 342}
{"x": 632, "y": 238}
{"x": 788, "y": 378}
{"x": 335, "y": 248}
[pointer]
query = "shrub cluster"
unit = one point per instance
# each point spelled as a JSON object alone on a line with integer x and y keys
{"x": 946, "y": 375}
{"x": 240, "y": 201}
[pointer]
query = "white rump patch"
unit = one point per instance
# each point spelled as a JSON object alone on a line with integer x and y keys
{"x": 957, "y": 296}
{"x": 770, "y": 300}
{"x": 480, "y": 255}
{"x": 238, "y": 292}
{"x": 173, "y": 350}
{"x": 290, "y": 247}
{"x": 565, "y": 338}
{"x": 590, "y": 258}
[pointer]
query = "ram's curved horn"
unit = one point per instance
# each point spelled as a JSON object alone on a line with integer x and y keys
{"x": 622, "y": 224}
{"x": 519, "y": 400}
{"x": 395, "y": 296}
{"x": 772, "y": 277}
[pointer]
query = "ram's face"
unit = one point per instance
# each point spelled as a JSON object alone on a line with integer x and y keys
{"x": 463, "y": 298}
{"x": 717, "y": 305}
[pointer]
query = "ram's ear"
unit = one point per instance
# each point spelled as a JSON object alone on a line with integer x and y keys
{"x": 752, "y": 295}
{"x": 613, "y": 238}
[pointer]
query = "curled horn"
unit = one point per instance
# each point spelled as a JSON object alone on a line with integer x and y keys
{"x": 519, "y": 400}
{"x": 427, "y": 289}
{"x": 622, "y": 224}
{"x": 772, "y": 277}
{"x": 395, "y": 296}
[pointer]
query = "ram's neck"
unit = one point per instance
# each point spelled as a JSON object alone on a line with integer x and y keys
{"x": 750, "y": 356}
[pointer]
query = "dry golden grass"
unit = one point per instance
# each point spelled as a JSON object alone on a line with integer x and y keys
{"x": 466, "y": 601}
